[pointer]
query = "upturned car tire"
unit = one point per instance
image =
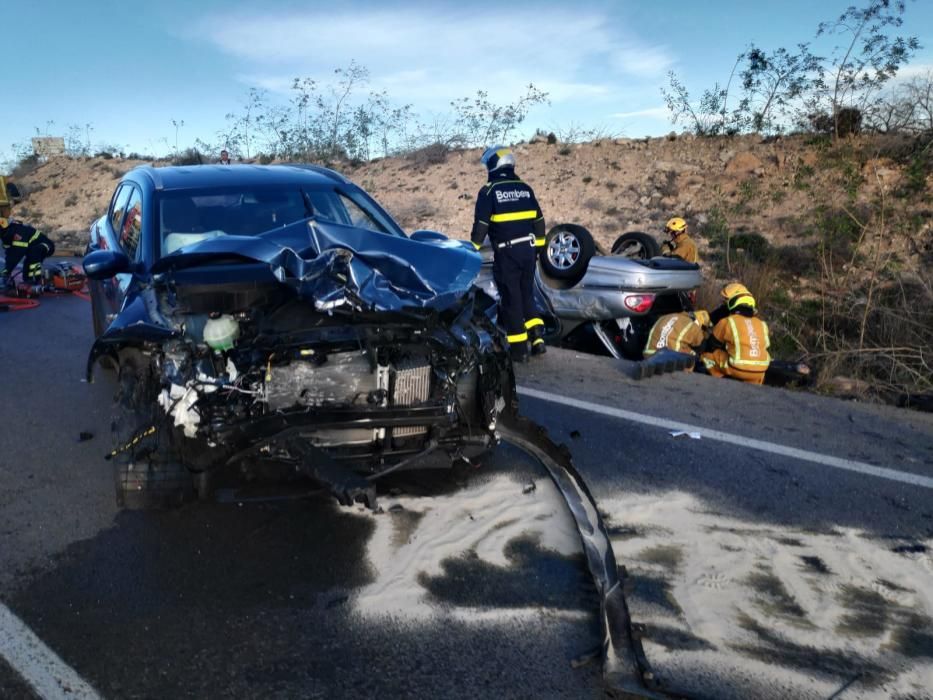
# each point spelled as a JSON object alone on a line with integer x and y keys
{"x": 637, "y": 245}
{"x": 147, "y": 474}
{"x": 567, "y": 251}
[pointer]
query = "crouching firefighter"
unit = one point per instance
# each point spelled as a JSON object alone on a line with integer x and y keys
{"x": 21, "y": 242}
{"x": 682, "y": 332}
{"x": 508, "y": 212}
{"x": 740, "y": 342}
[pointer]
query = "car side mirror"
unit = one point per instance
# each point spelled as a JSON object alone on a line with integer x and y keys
{"x": 425, "y": 236}
{"x": 104, "y": 264}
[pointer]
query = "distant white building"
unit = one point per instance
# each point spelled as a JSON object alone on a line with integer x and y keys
{"x": 48, "y": 146}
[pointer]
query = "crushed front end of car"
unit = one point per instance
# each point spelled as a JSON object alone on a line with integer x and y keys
{"x": 336, "y": 354}
{"x": 314, "y": 350}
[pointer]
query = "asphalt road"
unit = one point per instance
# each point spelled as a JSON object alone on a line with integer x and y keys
{"x": 263, "y": 598}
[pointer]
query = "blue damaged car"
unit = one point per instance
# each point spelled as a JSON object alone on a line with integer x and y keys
{"x": 274, "y": 324}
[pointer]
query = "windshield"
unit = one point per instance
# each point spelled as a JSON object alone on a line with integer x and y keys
{"x": 190, "y": 217}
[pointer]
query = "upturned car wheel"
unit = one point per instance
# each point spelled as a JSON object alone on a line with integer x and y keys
{"x": 567, "y": 251}
{"x": 637, "y": 245}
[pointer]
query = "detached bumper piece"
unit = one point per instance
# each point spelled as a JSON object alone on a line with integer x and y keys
{"x": 625, "y": 668}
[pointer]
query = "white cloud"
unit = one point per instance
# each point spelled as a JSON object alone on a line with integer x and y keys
{"x": 914, "y": 70}
{"x": 272, "y": 83}
{"x": 436, "y": 53}
{"x": 649, "y": 62}
{"x": 650, "y": 113}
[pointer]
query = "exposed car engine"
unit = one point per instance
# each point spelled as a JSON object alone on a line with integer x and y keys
{"x": 262, "y": 366}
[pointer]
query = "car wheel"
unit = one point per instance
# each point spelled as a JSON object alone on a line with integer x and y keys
{"x": 636, "y": 244}
{"x": 146, "y": 473}
{"x": 567, "y": 251}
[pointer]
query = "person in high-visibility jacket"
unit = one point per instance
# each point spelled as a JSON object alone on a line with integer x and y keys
{"x": 681, "y": 332}
{"x": 21, "y": 242}
{"x": 508, "y": 212}
{"x": 680, "y": 245}
{"x": 740, "y": 340}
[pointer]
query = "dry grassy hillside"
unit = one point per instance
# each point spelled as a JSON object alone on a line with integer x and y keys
{"x": 64, "y": 195}
{"x": 609, "y": 186}
{"x": 836, "y": 240}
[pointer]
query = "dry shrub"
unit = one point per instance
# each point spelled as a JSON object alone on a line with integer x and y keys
{"x": 25, "y": 167}
{"x": 763, "y": 280}
{"x": 880, "y": 338}
{"x": 432, "y": 154}
{"x": 414, "y": 212}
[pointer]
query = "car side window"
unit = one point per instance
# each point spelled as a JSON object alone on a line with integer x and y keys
{"x": 118, "y": 208}
{"x": 359, "y": 217}
{"x": 132, "y": 225}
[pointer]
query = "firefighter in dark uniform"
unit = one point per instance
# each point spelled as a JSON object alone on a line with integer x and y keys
{"x": 507, "y": 211}
{"x": 21, "y": 241}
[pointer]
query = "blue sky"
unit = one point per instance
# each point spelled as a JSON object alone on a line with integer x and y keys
{"x": 129, "y": 69}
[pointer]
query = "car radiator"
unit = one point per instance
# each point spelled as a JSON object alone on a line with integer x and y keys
{"x": 412, "y": 386}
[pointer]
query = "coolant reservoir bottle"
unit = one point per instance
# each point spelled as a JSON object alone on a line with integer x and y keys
{"x": 220, "y": 333}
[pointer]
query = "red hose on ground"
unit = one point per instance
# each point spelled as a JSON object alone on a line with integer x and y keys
{"x": 17, "y": 304}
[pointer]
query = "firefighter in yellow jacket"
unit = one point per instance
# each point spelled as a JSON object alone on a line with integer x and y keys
{"x": 740, "y": 339}
{"x": 680, "y": 244}
{"x": 681, "y": 332}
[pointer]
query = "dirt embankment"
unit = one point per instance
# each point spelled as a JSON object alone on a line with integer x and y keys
{"x": 609, "y": 186}
{"x": 834, "y": 240}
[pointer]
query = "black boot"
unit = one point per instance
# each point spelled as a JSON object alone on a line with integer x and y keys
{"x": 537, "y": 341}
{"x": 518, "y": 352}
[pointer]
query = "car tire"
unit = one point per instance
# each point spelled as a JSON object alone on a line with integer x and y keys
{"x": 567, "y": 251}
{"x": 147, "y": 475}
{"x": 637, "y": 245}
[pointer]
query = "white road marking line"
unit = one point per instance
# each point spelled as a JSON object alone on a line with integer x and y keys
{"x": 40, "y": 667}
{"x": 732, "y": 439}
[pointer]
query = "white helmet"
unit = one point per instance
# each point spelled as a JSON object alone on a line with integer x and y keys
{"x": 496, "y": 157}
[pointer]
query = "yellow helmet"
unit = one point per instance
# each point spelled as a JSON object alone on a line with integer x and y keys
{"x": 702, "y": 318}
{"x": 741, "y": 300}
{"x": 734, "y": 289}
{"x": 676, "y": 225}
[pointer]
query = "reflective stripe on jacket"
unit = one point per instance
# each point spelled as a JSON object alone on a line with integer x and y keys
{"x": 746, "y": 340}
{"x": 506, "y": 209}
{"x": 16, "y": 234}
{"x": 676, "y": 332}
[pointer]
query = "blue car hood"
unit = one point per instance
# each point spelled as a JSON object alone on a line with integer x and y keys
{"x": 333, "y": 265}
